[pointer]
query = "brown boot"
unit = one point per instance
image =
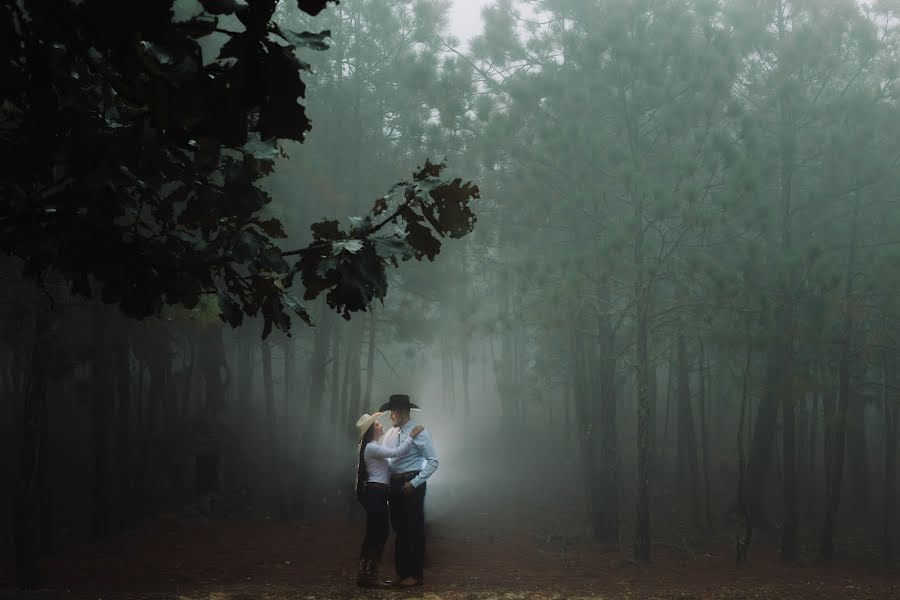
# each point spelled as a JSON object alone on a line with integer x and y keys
{"x": 364, "y": 575}
{"x": 374, "y": 564}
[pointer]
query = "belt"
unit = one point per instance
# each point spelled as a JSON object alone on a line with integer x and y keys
{"x": 375, "y": 484}
{"x": 408, "y": 476}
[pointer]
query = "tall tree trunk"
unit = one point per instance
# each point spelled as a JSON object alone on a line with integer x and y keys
{"x": 213, "y": 366}
{"x": 188, "y": 384}
{"x": 336, "y": 408}
{"x": 763, "y": 437}
{"x": 318, "y": 364}
{"x": 370, "y": 356}
{"x": 285, "y": 433}
{"x": 745, "y": 536}
{"x": 464, "y": 365}
{"x": 159, "y": 360}
{"x": 29, "y": 514}
{"x": 272, "y": 428}
{"x": 608, "y": 476}
{"x": 829, "y": 425}
{"x": 845, "y": 395}
{"x": 102, "y": 391}
{"x": 124, "y": 451}
{"x": 704, "y": 436}
{"x": 811, "y": 470}
{"x": 248, "y": 339}
{"x": 789, "y": 457}
{"x": 354, "y": 354}
{"x": 857, "y": 454}
{"x": 688, "y": 470}
{"x": 642, "y": 525}
{"x": 582, "y": 396}
{"x": 891, "y": 426}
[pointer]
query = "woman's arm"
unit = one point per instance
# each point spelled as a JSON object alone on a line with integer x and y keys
{"x": 377, "y": 450}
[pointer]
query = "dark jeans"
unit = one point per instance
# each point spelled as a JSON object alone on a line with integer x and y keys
{"x": 408, "y": 521}
{"x": 375, "y": 501}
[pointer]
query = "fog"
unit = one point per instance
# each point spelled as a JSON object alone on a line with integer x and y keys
{"x": 672, "y": 330}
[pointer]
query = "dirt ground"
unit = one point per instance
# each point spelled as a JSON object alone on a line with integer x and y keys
{"x": 474, "y": 554}
{"x": 490, "y": 535}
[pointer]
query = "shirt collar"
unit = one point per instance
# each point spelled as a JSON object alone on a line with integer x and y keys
{"x": 408, "y": 426}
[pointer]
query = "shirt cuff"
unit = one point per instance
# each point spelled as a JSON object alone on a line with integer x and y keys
{"x": 415, "y": 481}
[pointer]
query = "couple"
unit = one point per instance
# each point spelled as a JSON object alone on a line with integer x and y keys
{"x": 390, "y": 483}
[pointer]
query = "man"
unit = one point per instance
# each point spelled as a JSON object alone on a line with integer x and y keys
{"x": 406, "y": 496}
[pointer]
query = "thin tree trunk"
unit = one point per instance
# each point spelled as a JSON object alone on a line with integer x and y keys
{"x": 704, "y": 438}
{"x": 288, "y": 383}
{"x": 891, "y": 426}
{"x": 272, "y": 427}
{"x": 689, "y": 470}
{"x": 642, "y": 525}
{"x": 247, "y": 341}
{"x": 745, "y": 537}
{"x": 845, "y": 395}
{"x": 336, "y": 409}
{"x": 608, "y": 475}
{"x": 124, "y": 448}
{"x": 857, "y": 455}
{"x": 354, "y": 354}
{"x": 29, "y": 520}
{"x": 317, "y": 366}
{"x": 464, "y": 364}
{"x": 370, "y": 356}
{"x": 102, "y": 390}
{"x": 789, "y": 457}
{"x": 829, "y": 411}
{"x": 582, "y": 394}
{"x": 811, "y": 470}
{"x": 191, "y": 351}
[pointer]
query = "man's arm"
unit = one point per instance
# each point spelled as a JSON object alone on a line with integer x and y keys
{"x": 425, "y": 445}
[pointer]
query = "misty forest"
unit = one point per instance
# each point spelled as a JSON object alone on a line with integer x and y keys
{"x": 635, "y": 260}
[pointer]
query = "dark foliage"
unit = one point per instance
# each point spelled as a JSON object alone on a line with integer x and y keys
{"x": 132, "y": 165}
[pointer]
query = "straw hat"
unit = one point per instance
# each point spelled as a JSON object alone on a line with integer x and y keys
{"x": 366, "y": 421}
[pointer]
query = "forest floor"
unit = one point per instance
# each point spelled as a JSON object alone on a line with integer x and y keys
{"x": 476, "y": 552}
{"x": 491, "y": 534}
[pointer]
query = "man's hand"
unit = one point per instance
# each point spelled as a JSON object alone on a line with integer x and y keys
{"x": 408, "y": 488}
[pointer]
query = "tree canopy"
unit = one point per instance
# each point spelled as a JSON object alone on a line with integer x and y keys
{"x": 134, "y": 162}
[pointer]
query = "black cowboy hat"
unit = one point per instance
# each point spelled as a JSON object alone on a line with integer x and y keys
{"x": 398, "y": 402}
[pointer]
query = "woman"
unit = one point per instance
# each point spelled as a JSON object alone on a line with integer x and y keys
{"x": 372, "y": 480}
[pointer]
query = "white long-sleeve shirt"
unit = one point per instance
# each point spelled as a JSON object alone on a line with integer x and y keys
{"x": 376, "y": 456}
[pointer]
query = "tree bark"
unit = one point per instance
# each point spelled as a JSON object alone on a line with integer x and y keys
{"x": 789, "y": 457}
{"x": 124, "y": 449}
{"x": 102, "y": 391}
{"x": 247, "y": 340}
{"x": 704, "y": 437}
{"x": 891, "y": 426}
{"x": 272, "y": 427}
{"x": 845, "y": 396}
{"x": 688, "y": 468}
{"x": 608, "y": 476}
{"x": 29, "y": 513}
{"x": 370, "y": 356}
{"x": 857, "y": 454}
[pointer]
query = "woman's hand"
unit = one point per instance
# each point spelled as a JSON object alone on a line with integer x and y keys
{"x": 416, "y": 430}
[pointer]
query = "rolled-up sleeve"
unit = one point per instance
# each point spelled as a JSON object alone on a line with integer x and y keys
{"x": 425, "y": 445}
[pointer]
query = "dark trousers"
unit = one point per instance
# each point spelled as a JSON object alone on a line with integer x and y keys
{"x": 375, "y": 501}
{"x": 408, "y": 521}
